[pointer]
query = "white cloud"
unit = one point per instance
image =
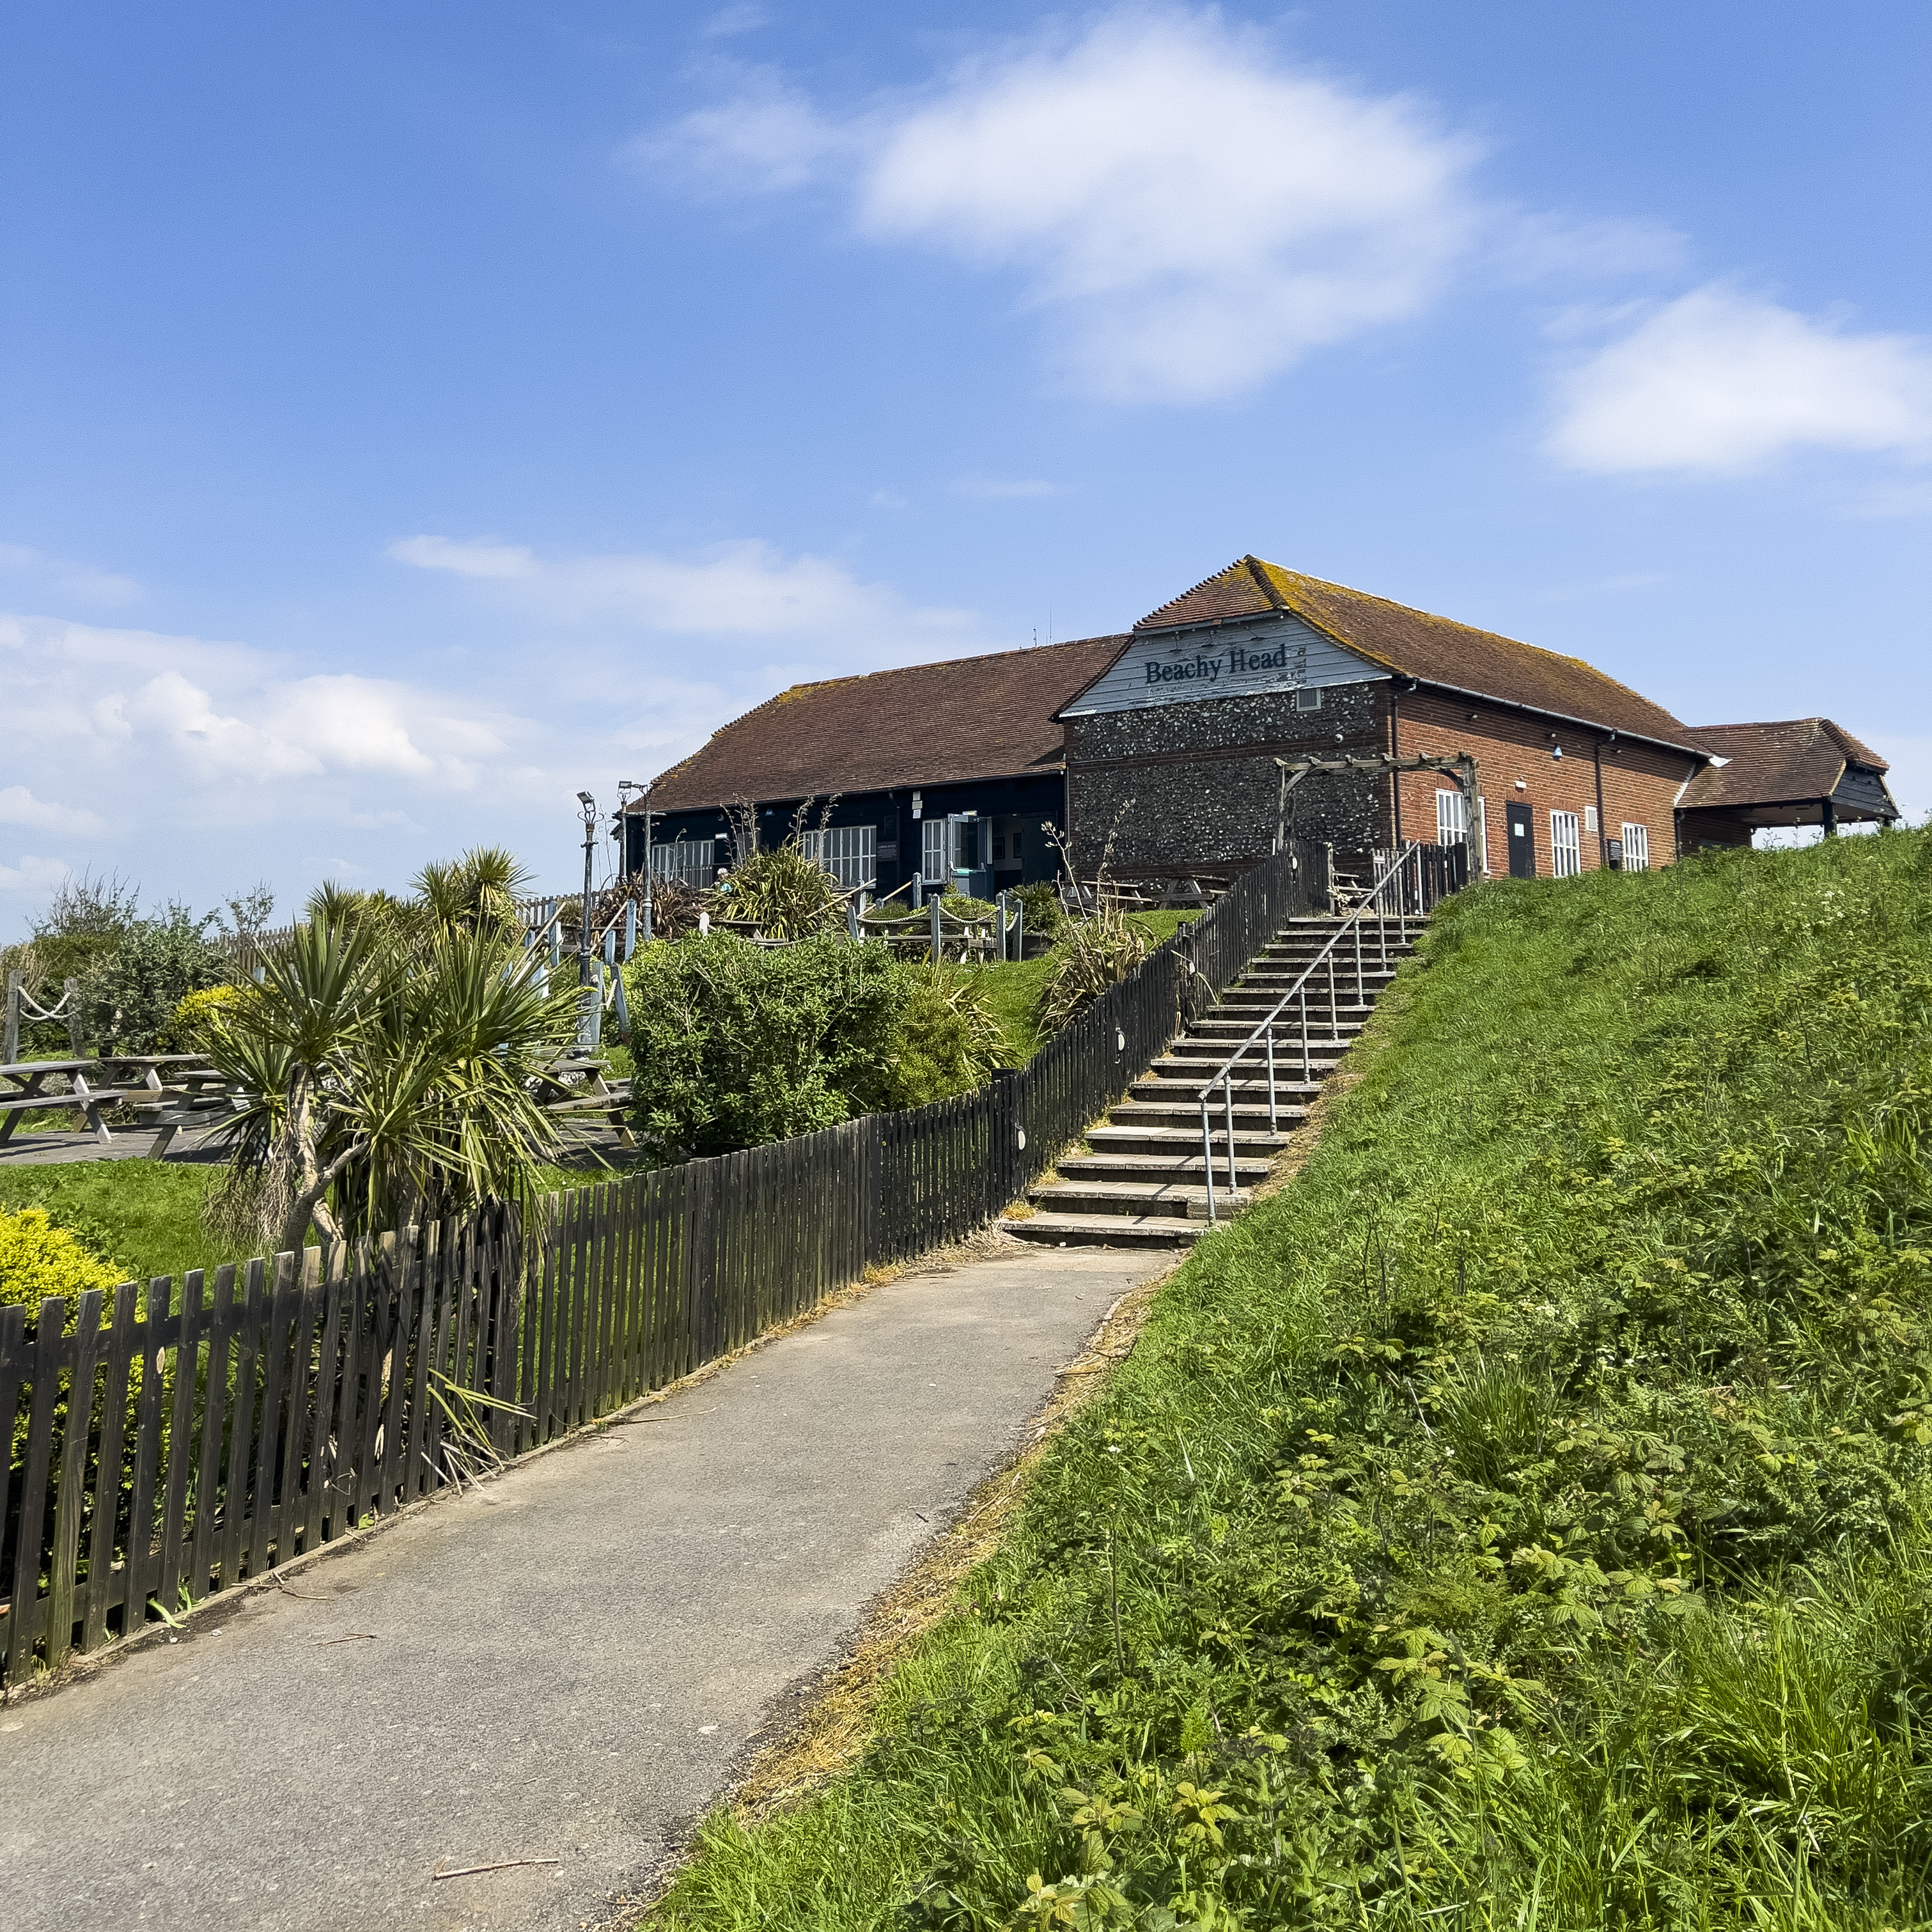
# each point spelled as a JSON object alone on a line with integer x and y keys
{"x": 1201, "y": 213}
{"x": 997, "y": 490}
{"x": 34, "y": 875}
{"x": 742, "y": 588}
{"x": 79, "y": 582}
{"x": 767, "y": 138}
{"x": 18, "y": 806}
{"x": 482, "y": 557}
{"x": 1719, "y": 382}
{"x": 733, "y": 20}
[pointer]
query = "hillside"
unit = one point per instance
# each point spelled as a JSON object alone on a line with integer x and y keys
{"x": 1517, "y": 1520}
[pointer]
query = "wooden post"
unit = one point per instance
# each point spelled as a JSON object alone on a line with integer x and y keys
{"x": 15, "y": 985}
{"x": 936, "y": 943}
{"x": 70, "y": 999}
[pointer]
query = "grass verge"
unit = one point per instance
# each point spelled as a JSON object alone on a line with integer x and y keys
{"x": 1516, "y": 1520}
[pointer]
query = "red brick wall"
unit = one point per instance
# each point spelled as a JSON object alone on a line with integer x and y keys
{"x": 1640, "y": 782}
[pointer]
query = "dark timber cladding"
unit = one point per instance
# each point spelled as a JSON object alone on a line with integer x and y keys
{"x": 942, "y": 769}
{"x": 1172, "y": 749}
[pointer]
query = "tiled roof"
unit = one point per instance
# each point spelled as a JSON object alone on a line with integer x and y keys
{"x": 1413, "y": 643}
{"x": 935, "y": 724}
{"x": 1795, "y": 759}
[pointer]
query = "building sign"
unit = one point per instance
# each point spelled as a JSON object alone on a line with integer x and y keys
{"x": 1280, "y": 653}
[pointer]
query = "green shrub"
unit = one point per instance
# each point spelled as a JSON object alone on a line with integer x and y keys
{"x": 1088, "y": 957}
{"x": 38, "y": 1259}
{"x": 1044, "y": 916}
{"x": 187, "y": 1031}
{"x": 129, "y": 996}
{"x": 949, "y": 1038}
{"x": 735, "y": 1044}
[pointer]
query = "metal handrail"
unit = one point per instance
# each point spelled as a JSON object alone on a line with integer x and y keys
{"x": 1224, "y": 1079}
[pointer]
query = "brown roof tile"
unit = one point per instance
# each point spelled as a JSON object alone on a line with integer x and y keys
{"x": 1793, "y": 759}
{"x": 936, "y": 724}
{"x": 1437, "y": 650}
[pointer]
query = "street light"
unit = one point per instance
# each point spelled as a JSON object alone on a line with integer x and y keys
{"x": 589, "y": 804}
{"x": 625, "y": 788}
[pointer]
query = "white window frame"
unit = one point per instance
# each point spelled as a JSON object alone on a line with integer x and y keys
{"x": 936, "y": 845}
{"x": 1566, "y": 845}
{"x": 1308, "y": 697}
{"x": 850, "y": 852}
{"x": 1452, "y": 816}
{"x": 693, "y": 862}
{"x": 1636, "y": 847}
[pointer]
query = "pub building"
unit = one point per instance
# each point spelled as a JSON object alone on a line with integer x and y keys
{"x": 1168, "y": 742}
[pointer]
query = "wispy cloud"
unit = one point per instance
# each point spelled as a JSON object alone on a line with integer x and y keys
{"x": 62, "y": 578}
{"x": 744, "y": 589}
{"x": 18, "y": 806}
{"x": 1721, "y": 381}
{"x": 1201, "y": 212}
{"x": 999, "y": 489}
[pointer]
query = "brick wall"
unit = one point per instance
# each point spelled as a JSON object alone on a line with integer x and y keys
{"x": 1203, "y": 784}
{"x": 1512, "y": 749}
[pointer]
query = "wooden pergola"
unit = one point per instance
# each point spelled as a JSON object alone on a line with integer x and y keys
{"x": 1460, "y": 766}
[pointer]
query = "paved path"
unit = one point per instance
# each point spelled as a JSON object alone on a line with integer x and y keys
{"x": 565, "y": 1665}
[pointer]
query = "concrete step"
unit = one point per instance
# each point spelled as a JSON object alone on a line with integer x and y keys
{"x": 1251, "y": 1122}
{"x": 1171, "y": 1071}
{"x": 1129, "y": 1133}
{"x": 1212, "y": 1036}
{"x": 1181, "y": 1163}
{"x": 1108, "y": 1231}
{"x": 1176, "y": 1200}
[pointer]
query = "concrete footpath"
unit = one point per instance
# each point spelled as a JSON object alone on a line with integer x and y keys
{"x": 565, "y": 1665}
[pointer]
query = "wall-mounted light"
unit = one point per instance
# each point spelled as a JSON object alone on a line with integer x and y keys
{"x": 1556, "y": 752}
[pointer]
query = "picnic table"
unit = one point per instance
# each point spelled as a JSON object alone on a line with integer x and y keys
{"x": 94, "y": 1084}
{"x": 576, "y": 1083}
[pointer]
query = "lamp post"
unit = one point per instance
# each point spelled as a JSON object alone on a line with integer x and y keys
{"x": 625, "y": 788}
{"x": 589, "y": 804}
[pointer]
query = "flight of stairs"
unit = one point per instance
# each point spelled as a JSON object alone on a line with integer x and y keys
{"x": 1140, "y": 1183}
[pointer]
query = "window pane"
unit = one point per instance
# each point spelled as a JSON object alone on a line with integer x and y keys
{"x": 1565, "y": 844}
{"x": 1451, "y": 818}
{"x": 1636, "y": 847}
{"x": 688, "y": 860}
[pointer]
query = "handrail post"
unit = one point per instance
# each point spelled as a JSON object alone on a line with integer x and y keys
{"x": 1207, "y": 1154}
{"x": 1228, "y": 1103}
{"x": 1274, "y": 1124}
{"x": 1334, "y": 1017}
{"x": 1304, "y": 1037}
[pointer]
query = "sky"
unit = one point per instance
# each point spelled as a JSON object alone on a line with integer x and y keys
{"x": 412, "y": 416}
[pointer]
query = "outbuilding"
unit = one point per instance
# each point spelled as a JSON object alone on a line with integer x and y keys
{"x": 1797, "y": 771}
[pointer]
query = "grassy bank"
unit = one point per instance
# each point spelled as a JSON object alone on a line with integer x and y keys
{"x": 1516, "y": 1521}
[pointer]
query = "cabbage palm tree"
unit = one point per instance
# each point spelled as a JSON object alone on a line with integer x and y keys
{"x": 392, "y": 1063}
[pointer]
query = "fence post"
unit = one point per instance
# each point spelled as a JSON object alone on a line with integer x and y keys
{"x": 1009, "y": 1131}
{"x": 16, "y": 983}
{"x": 70, "y": 997}
{"x": 871, "y": 1180}
{"x": 999, "y": 907}
{"x": 935, "y": 933}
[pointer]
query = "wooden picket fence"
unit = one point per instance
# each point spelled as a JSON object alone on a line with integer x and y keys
{"x": 168, "y": 1442}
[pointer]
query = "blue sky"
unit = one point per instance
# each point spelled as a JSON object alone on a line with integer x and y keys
{"x": 413, "y": 414}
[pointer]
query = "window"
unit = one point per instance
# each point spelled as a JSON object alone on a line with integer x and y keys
{"x": 1452, "y": 818}
{"x": 1308, "y": 697}
{"x": 1566, "y": 856}
{"x": 1589, "y": 818}
{"x": 692, "y": 862}
{"x": 1636, "y": 847}
{"x": 850, "y": 852}
{"x": 937, "y": 845}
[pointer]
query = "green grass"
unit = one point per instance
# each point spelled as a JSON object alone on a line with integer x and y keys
{"x": 1013, "y": 991}
{"x": 1516, "y": 1522}
{"x": 144, "y": 1216}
